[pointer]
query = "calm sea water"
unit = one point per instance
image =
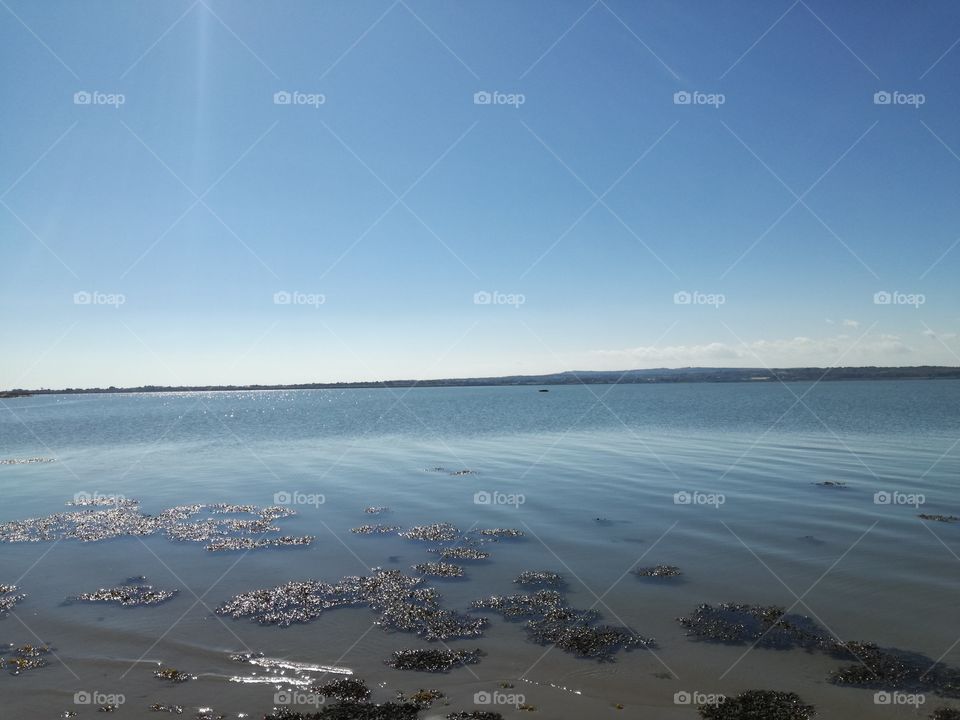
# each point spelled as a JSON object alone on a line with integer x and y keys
{"x": 598, "y": 468}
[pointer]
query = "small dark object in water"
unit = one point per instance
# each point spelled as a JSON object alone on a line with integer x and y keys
{"x": 376, "y": 509}
{"x": 174, "y": 709}
{"x": 344, "y": 689}
{"x": 439, "y": 569}
{"x": 541, "y": 578}
{"x": 171, "y": 674}
{"x": 475, "y": 715}
{"x": 766, "y": 704}
{"x": 107, "y": 708}
{"x": 938, "y": 518}
{"x": 461, "y": 473}
{"x": 812, "y": 540}
{"x": 658, "y": 571}
{"x": 421, "y": 698}
{"x": 432, "y": 660}
{"x": 832, "y": 483}
{"x": 543, "y": 390}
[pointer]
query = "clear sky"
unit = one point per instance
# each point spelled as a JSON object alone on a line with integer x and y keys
{"x": 167, "y": 218}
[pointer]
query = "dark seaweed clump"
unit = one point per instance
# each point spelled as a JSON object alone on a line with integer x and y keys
{"x": 501, "y": 533}
{"x": 939, "y": 518}
{"x": 658, "y": 571}
{"x": 375, "y": 529}
{"x": 344, "y": 689}
{"x": 400, "y": 599}
{"x": 376, "y": 509}
{"x": 439, "y": 569}
{"x": 540, "y": 578}
{"x": 174, "y": 709}
{"x": 431, "y": 660}
{"x": 352, "y": 710}
{"x": 130, "y": 594}
{"x": 9, "y": 598}
{"x": 893, "y": 669}
{"x": 759, "y": 705}
{"x": 552, "y": 622}
{"x": 945, "y": 713}
{"x": 832, "y": 483}
{"x": 25, "y": 657}
{"x": 437, "y": 532}
{"x": 461, "y": 553}
{"x": 872, "y": 667}
{"x": 768, "y": 626}
{"x": 475, "y": 715}
{"x": 171, "y": 674}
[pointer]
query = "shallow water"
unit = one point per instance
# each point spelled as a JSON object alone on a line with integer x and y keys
{"x": 577, "y": 455}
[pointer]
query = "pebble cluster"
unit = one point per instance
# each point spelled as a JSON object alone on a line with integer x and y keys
{"x": 111, "y": 516}
{"x": 401, "y": 601}
{"x": 432, "y": 660}
{"x": 755, "y": 704}
{"x": 130, "y": 594}
{"x": 375, "y": 529}
{"x": 439, "y": 569}
{"x": 540, "y": 578}
{"x": 658, "y": 571}
{"x": 25, "y": 657}
{"x": 9, "y": 598}
{"x": 553, "y": 622}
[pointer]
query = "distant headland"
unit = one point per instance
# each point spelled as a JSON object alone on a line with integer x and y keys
{"x": 586, "y": 377}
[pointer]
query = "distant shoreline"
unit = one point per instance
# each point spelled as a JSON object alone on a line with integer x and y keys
{"x": 589, "y": 377}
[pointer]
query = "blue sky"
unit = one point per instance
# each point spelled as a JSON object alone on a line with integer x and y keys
{"x": 584, "y": 219}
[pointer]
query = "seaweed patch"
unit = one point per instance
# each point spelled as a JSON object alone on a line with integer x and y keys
{"x": 766, "y": 704}
{"x": 130, "y": 594}
{"x": 432, "y": 660}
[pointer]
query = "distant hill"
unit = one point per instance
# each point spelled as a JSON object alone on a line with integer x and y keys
{"x": 585, "y": 377}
